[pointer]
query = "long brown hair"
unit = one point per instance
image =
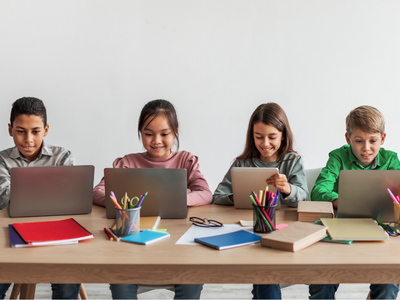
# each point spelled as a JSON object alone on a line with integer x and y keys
{"x": 269, "y": 114}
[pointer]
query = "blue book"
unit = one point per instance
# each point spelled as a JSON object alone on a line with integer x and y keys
{"x": 229, "y": 240}
{"x": 145, "y": 237}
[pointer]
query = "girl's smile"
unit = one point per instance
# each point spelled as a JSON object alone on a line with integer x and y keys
{"x": 267, "y": 140}
{"x": 157, "y": 137}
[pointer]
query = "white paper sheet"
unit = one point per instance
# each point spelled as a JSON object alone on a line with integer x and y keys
{"x": 196, "y": 232}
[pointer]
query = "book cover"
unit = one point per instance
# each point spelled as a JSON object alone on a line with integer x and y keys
{"x": 48, "y": 232}
{"x": 311, "y": 211}
{"x": 145, "y": 237}
{"x": 229, "y": 240}
{"x": 17, "y": 242}
{"x": 356, "y": 229}
{"x": 149, "y": 223}
{"x": 294, "y": 237}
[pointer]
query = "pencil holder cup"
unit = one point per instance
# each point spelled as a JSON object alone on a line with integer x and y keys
{"x": 396, "y": 212}
{"x": 264, "y": 218}
{"x": 127, "y": 221}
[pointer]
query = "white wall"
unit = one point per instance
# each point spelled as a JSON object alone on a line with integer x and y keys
{"x": 95, "y": 63}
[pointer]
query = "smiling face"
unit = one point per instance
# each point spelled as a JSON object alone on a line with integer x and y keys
{"x": 365, "y": 145}
{"x": 157, "y": 137}
{"x": 267, "y": 140}
{"x": 28, "y": 132}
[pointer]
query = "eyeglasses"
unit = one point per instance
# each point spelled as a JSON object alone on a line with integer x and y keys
{"x": 391, "y": 228}
{"x": 205, "y": 222}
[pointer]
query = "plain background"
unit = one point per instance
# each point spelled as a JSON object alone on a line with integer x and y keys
{"x": 95, "y": 63}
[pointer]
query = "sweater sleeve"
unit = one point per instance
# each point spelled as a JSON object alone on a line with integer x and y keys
{"x": 100, "y": 189}
{"x": 4, "y": 185}
{"x": 298, "y": 182}
{"x": 224, "y": 189}
{"x": 199, "y": 192}
{"x": 326, "y": 185}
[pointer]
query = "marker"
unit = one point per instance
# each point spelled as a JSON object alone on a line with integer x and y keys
{"x": 392, "y": 196}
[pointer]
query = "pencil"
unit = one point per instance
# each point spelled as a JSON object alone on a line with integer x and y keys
{"x": 108, "y": 234}
{"x": 112, "y": 234}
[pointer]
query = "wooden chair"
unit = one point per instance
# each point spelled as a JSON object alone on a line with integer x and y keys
{"x": 27, "y": 291}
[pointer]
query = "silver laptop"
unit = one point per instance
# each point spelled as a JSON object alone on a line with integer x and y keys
{"x": 51, "y": 191}
{"x": 363, "y": 194}
{"x": 246, "y": 179}
{"x": 167, "y": 190}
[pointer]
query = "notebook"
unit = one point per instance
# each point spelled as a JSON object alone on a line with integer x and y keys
{"x": 145, "y": 237}
{"x": 51, "y": 191}
{"x": 17, "y": 242}
{"x": 167, "y": 190}
{"x": 229, "y": 240}
{"x": 363, "y": 194}
{"x": 245, "y": 180}
{"x": 50, "y": 232}
{"x": 360, "y": 229}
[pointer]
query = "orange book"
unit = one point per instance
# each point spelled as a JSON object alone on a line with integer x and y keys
{"x": 44, "y": 233}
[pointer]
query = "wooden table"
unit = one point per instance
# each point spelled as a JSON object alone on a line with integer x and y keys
{"x": 102, "y": 261}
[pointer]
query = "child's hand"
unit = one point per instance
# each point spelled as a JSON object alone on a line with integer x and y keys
{"x": 280, "y": 182}
{"x": 335, "y": 203}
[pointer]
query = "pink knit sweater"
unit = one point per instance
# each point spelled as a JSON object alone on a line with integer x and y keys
{"x": 198, "y": 191}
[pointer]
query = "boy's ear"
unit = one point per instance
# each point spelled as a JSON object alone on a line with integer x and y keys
{"x": 383, "y": 138}
{"x": 46, "y": 130}
{"x": 347, "y": 138}
{"x": 10, "y": 129}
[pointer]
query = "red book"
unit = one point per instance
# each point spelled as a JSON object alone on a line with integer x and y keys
{"x": 42, "y": 233}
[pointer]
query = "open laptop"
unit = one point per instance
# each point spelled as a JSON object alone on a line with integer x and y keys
{"x": 363, "y": 194}
{"x": 167, "y": 190}
{"x": 247, "y": 179}
{"x": 51, "y": 191}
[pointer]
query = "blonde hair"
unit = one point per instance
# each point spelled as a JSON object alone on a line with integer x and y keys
{"x": 365, "y": 118}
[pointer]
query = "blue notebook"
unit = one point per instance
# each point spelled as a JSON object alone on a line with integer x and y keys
{"x": 229, "y": 240}
{"x": 145, "y": 237}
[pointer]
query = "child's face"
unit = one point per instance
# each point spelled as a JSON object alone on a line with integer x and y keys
{"x": 268, "y": 140}
{"x": 157, "y": 137}
{"x": 365, "y": 145}
{"x": 28, "y": 132}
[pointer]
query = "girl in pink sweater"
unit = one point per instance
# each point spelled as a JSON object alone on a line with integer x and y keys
{"x": 158, "y": 129}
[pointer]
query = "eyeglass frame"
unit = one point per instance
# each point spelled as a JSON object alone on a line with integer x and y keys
{"x": 204, "y": 222}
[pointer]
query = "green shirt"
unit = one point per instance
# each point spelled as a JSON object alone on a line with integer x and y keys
{"x": 327, "y": 184}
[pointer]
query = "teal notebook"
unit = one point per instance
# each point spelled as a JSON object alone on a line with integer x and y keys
{"x": 329, "y": 240}
{"x": 145, "y": 237}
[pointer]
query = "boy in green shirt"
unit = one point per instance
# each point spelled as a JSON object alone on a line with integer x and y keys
{"x": 365, "y": 133}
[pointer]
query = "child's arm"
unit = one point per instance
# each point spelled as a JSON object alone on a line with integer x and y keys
{"x": 200, "y": 193}
{"x": 4, "y": 185}
{"x": 99, "y": 194}
{"x": 296, "y": 178}
{"x": 327, "y": 183}
{"x": 223, "y": 193}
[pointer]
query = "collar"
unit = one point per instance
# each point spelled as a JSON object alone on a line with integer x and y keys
{"x": 374, "y": 165}
{"x": 46, "y": 150}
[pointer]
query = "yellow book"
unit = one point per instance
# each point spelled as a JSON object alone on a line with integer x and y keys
{"x": 356, "y": 229}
